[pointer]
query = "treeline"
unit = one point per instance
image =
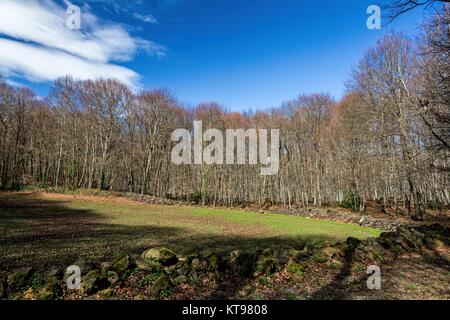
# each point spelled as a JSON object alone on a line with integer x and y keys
{"x": 387, "y": 140}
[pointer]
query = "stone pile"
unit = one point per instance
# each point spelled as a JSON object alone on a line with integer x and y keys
{"x": 166, "y": 270}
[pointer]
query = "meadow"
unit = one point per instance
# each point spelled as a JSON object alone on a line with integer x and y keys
{"x": 41, "y": 230}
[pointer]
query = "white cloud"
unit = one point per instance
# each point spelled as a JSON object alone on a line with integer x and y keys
{"x": 43, "y": 64}
{"x": 44, "y": 48}
{"x": 146, "y": 18}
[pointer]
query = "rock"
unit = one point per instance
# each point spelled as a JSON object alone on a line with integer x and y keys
{"x": 52, "y": 283}
{"x": 148, "y": 265}
{"x": 94, "y": 281}
{"x": 320, "y": 257}
{"x": 243, "y": 262}
{"x": 206, "y": 260}
{"x": 384, "y": 242}
{"x": 105, "y": 266}
{"x": 113, "y": 277}
{"x": 331, "y": 252}
{"x": 183, "y": 270}
{"x": 212, "y": 262}
{"x": 122, "y": 265}
{"x": 161, "y": 284}
{"x": 170, "y": 271}
{"x": 362, "y": 221}
{"x": 294, "y": 267}
{"x": 196, "y": 264}
{"x": 305, "y": 253}
{"x": 139, "y": 298}
{"x": 375, "y": 255}
{"x": 403, "y": 243}
{"x": 164, "y": 256}
{"x": 398, "y": 249}
{"x": 353, "y": 242}
{"x": 295, "y": 253}
{"x": 266, "y": 266}
{"x": 55, "y": 273}
{"x": 85, "y": 266}
{"x": 46, "y": 294}
{"x": 20, "y": 278}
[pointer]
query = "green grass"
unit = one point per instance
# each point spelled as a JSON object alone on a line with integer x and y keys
{"x": 290, "y": 225}
{"x": 42, "y": 231}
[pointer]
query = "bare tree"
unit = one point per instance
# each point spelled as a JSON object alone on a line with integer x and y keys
{"x": 398, "y": 7}
{"x": 435, "y": 94}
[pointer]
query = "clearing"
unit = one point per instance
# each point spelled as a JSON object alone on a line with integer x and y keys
{"x": 40, "y": 230}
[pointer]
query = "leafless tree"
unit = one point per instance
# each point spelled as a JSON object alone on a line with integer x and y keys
{"x": 398, "y": 7}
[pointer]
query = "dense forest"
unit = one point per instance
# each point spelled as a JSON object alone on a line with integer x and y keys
{"x": 388, "y": 139}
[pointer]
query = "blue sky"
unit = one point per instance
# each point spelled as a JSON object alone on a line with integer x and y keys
{"x": 244, "y": 54}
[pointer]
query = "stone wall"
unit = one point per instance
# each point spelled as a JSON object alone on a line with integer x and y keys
{"x": 160, "y": 270}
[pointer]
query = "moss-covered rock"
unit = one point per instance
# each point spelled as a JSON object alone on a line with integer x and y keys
{"x": 353, "y": 242}
{"x": 122, "y": 265}
{"x": 52, "y": 283}
{"x": 54, "y": 273}
{"x": 213, "y": 262}
{"x": 148, "y": 265}
{"x": 171, "y": 271}
{"x": 47, "y": 293}
{"x": 105, "y": 266}
{"x": 386, "y": 243}
{"x": 183, "y": 270}
{"x": 332, "y": 252}
{"x": 160, "y": 285}
{"x": 94, "y": 281}
{"x": 20, "y": 278}
{"x": 328, "y": 254}
{"x": 85, "y": 265}
{"x": 112, "y": 276}
{"x": 243, "y": 262}
{"x": 196, "y": 264}
{"x": 267, "y": 265}
{"x": 163, "y": 256}
{"x": 296, "y": 268}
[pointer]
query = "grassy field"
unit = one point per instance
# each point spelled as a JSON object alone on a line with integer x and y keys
{"x": 43, "y": 230}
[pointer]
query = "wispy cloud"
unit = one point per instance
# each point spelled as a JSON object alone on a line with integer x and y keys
{"x": 39, "y": 64}
{"x": 146, "y": 18}
{"x": 37, "y": 45}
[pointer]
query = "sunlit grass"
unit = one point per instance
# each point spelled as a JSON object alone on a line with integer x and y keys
{"x": 47, "y": 230}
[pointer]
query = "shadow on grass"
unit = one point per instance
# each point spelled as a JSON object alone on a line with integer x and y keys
{"x": 337, "y": 288}
{"x": 42, "y": 233}
{"x": 340, "y": 288}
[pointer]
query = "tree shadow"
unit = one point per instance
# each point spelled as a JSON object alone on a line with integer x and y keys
{"x": 43, "y": 233}
{"x": 340, "y": 288}
{"x": 337, "y": 287}
{"x": 40, "y": 233}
